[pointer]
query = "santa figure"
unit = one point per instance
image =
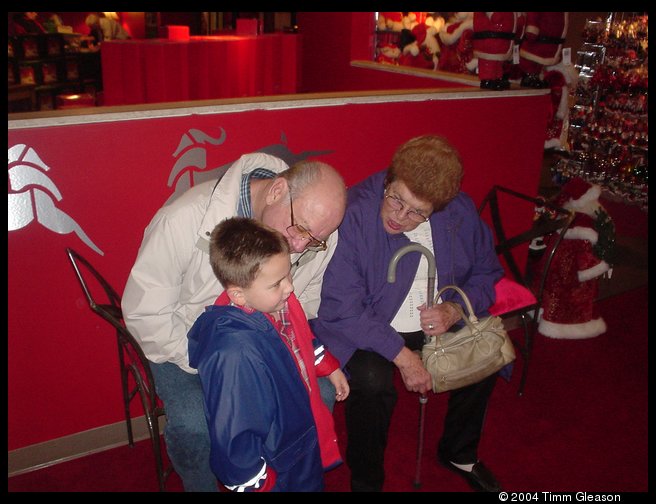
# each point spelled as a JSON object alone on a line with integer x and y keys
{"x": 388, "y": 53}
{"x": 493, "y": 40}
{"x": 511, "y": 70}
{"x": 419, "y": 50}
{"x": 544, "y": 36}
{"x": 456, "y": 49}
{"x": 392, "y": 21}
{"x": 568, "y": 308}
{"x": 560, "y": 78}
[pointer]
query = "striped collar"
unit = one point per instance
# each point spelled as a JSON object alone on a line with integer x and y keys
{"x": 244, "y": 209}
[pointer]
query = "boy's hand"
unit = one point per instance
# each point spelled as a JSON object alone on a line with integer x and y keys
{"x": 339, "y": 381}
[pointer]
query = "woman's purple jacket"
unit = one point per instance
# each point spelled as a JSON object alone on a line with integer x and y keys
{"x": 357, "y": 302}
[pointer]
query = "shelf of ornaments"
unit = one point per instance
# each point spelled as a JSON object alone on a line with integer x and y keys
{"x": 621, "y": 170}
{"x": 608, "y": 132}
{"x": 615, "y": 158}
{"x": 625, "y": 178}
{"x": 620, "y": 164}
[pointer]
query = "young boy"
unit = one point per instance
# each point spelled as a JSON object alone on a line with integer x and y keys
{"x": 255, "y": 355}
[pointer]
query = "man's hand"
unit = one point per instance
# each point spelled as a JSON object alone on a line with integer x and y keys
{"x": 414, "y": 374}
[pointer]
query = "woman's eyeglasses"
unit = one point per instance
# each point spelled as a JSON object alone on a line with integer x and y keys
{"x": 397, "y": 204}
{"x": 298, "y": 232}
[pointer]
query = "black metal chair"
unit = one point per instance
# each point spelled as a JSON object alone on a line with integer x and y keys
{"x": 136, "y": 376}
{"x": 520, "y": 292}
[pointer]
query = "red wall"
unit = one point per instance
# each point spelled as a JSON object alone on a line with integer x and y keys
{"x": 110, "y": 178}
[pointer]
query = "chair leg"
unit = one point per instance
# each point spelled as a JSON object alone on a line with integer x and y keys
{"x": 530, "y": 339}
{"x": 152, "y": 414}
{"x": 522, "y": 382}
{"x": 126, "y": 405}
{"x": 526, "y": 350}
{"x": 153, "y": 429}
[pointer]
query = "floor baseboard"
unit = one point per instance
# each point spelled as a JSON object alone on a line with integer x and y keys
{"x": 80, "y": 444}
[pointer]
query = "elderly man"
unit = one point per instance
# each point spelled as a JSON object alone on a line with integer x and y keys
{"x": 172, "y": 281}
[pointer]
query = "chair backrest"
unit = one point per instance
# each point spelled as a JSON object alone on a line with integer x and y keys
{"x": 513, "y": 219}
{"x": 131, "y": 356}
{"x": 136, "y": 375}
{"x": 112, "y": 305}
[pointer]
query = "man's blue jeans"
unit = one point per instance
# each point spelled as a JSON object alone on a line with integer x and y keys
{"x": 186, "y": 434}
{"x": 327, "y": 392}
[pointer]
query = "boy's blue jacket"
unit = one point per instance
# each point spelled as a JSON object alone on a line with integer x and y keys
{"x": 257, "y": 405}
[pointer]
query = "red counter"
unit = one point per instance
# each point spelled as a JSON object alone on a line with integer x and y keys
{"x": 226, "y": 66}
{"x": 92, "y": 180}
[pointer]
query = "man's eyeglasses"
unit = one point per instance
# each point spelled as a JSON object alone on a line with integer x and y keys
{"x": 298, "y": 232}
{"x": 397, "y": 204}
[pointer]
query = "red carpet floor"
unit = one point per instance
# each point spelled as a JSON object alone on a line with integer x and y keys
{"x": 581, "y": 426}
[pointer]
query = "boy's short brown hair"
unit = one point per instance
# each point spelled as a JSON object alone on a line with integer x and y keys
{"x": 239, "y": 246}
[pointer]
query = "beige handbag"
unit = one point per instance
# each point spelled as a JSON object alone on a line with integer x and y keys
{"x": 457, "y": 359}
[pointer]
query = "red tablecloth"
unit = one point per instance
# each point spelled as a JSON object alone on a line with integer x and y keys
{"x": 226, "y": 66}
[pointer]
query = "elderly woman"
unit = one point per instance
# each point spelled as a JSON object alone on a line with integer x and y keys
{"x": 373, "y": 326}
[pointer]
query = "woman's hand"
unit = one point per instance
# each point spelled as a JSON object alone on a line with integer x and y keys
{"x": 438, "y": 318}
{"x": 414, "y": 374}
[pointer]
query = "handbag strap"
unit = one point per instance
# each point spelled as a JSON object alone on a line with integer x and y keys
{"x": 472, "y": 316}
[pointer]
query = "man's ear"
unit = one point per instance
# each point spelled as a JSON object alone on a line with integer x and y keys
{"x": 236, "y": 295}
{"x": 277, "y": 190}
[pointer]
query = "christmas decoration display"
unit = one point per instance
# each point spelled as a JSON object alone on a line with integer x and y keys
{"x": 608, "y": 132}
{"x": 586, "y": 254}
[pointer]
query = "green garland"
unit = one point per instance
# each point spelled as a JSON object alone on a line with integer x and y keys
{"x": 604, "y": 249}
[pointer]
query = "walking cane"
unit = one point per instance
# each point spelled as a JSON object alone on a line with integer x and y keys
{"x": 391, "y": 278}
